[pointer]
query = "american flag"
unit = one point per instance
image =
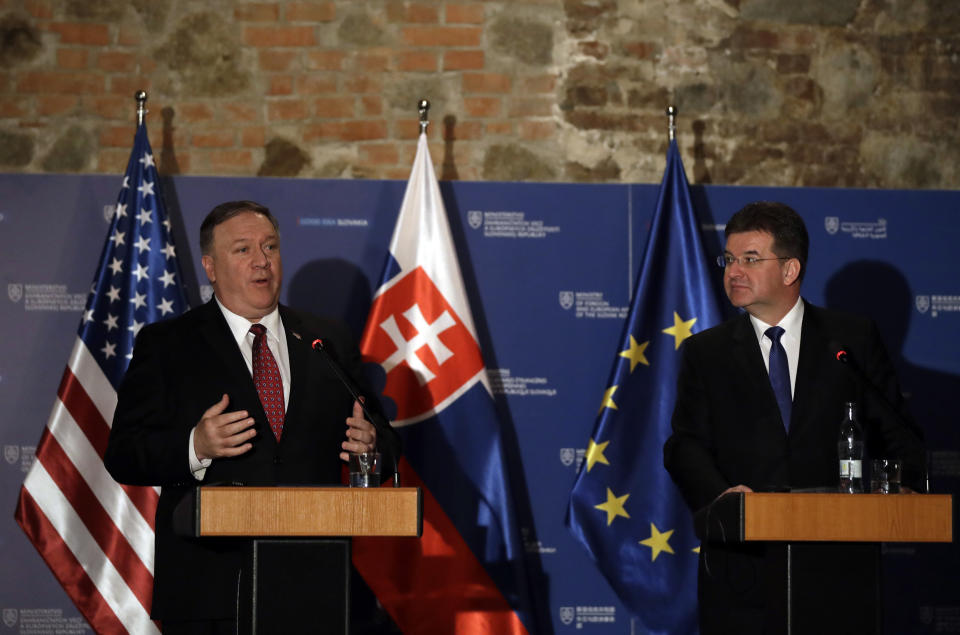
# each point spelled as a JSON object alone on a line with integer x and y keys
{"x": 96, "y": 535}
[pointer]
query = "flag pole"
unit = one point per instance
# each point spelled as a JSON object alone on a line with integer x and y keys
{"x": 141, "y": 98}
{"x": 672, "y": 113}
{"x": 423, "y": 107}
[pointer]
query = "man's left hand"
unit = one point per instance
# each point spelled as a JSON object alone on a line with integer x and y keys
{"x": 361, "y": 435}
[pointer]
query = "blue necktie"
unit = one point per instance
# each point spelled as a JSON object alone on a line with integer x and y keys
{"x": 780, "y": 374}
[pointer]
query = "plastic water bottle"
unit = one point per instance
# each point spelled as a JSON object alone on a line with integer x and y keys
{"x": 850, "y": 451}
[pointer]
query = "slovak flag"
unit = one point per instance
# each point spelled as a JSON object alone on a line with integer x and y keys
{"x": 466, "y": 573}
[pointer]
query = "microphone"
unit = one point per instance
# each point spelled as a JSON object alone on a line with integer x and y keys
{"x": 840, "y": 353}
{"x": 318, "y": 345}
{"x": 842, "y": 356}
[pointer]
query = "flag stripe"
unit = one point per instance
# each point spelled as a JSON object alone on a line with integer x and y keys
{"x": 90, "y": 375}
{"x": 87, "y": 418}
{"x": 87, "y": 465}
{"x": 441, "y": 406}
{"x": 76, "y": 490}
{"x": 84, "y": 411}
{"x": 64, "y": 565}
{"x": 86, "y": 556}
{"x": 436, "y": 584}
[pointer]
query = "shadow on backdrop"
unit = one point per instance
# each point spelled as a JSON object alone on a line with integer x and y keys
{"x": 880, "y": 291}
{"x": 332, "y": 287}
{"x": 922, "y": 574}
{"x": 166, "y": 168}
{"x": 537, "y": 583}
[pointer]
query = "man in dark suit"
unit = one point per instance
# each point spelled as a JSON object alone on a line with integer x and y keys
{"x": 189, "y": 411}
{"x": 759, "y": 404}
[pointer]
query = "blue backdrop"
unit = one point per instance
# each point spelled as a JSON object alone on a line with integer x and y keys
{"x": 549, "y": 268}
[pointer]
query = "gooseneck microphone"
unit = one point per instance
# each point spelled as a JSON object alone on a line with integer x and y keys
{"x": 841, "y": 355}
{"x": 318, "y": 345}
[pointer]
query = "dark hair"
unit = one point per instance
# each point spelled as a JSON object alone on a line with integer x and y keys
{"x": 224, "y": 212}
{"x": 790, "y": 238}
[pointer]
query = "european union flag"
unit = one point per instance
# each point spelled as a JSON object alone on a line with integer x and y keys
{"x": 623, "y": 507}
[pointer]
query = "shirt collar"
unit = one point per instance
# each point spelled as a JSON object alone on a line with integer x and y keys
{"x": 791, "y": 322}
{"x": 240, "y": 325}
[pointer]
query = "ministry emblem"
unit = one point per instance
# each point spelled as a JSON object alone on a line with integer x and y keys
{"x": 475, "y": 218}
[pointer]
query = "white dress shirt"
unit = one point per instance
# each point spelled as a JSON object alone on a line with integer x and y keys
{"x": 792, "y": 324}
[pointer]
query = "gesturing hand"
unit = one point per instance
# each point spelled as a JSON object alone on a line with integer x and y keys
{"x": 221, "y": 434}
{"x": 361, "y": 435}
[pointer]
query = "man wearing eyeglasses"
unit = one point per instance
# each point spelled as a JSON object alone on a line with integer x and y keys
{"x": 759, "y": 405}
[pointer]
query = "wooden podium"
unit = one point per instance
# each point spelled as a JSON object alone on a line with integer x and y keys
{"x": 825, "y": 548}
{"x": 798, "y": 517}
{"x": 296, "y": 577}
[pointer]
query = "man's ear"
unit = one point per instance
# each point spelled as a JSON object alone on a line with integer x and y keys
{"x": 791, "y": 271}
{"x": 207, "y": 262}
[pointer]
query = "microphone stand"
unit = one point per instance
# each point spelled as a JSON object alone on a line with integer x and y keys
{"x": 318, "y": 345}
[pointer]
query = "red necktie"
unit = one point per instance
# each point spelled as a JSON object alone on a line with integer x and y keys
{"x": 266, "y": 377}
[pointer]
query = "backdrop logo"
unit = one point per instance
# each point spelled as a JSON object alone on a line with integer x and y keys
{"x": 566, "y": 615}
{"x": 108, "y": 212}
{"x": 572, "y": 456}
{"x": 475, "y": 218}
{"x": 938, "y": 303}
{"x": 566, "y": 299}
{"x": 206, "y": 292}
{"x": 10, "y": 617}
{"x": 15, "y": 291}
{"x": 11, "y": 453}
{"x": 870, "y": 230}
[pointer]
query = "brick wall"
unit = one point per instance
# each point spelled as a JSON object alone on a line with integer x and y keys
{"x": 775, "y": 92}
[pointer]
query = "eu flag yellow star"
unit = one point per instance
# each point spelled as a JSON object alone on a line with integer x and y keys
{"x": 614, "y": 506}
{"x": 636, "y": 353}
{"x": 595, "y": 454}
{"x": 608, "y": 399}
{"x": 657, "y": 541}
{"x": 680, "y": 329}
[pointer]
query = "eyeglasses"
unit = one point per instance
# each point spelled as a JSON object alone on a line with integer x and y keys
{"x": 744, "y": 261}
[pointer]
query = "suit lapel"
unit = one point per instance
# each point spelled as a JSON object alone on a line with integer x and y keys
{"x": 216, "y": 333}
{"x": 813, "y": 353}
{"x": 298, "y": 351}
{"x": 750, "y": 361}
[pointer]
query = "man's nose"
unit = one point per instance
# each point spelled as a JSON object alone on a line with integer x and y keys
{"x": 261, "y": 259}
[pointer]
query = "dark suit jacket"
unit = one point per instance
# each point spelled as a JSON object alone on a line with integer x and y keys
{"x": 180, "y": 368}
{"x": 727, "y": 428}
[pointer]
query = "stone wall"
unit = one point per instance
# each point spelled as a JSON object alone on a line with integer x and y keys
{"x": 770, "y": 92}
